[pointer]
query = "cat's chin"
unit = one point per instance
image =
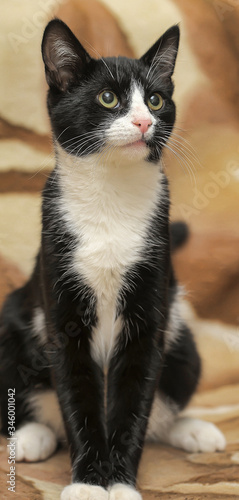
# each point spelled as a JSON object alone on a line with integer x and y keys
{"x": 135, "y": 150}
{"x": 136, "y": 144}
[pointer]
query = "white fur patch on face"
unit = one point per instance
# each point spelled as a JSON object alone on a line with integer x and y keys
{"x": 81, "y": 491}
{"x": 34, "y": 442}
{"x": 123, "y": 492}
{"x": 123, "y": 131}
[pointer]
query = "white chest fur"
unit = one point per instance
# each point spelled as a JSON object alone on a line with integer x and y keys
{"x": 108, "y": 208}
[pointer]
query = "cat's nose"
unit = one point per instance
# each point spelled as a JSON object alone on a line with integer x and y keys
{"x": 143, "y": 125}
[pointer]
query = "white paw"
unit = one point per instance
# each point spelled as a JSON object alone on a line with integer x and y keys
{"x": 81, "y": 491}
{"x": 123, "y": 492}
{"x": 34, "y": 442}
{"x": 196, "y": 435}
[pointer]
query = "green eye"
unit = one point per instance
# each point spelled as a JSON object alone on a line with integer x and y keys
{"x": 108, "y": 99}
{"x": 155, "y": 102}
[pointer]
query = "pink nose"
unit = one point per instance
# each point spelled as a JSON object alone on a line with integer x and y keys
{"x": 143, "y": 125}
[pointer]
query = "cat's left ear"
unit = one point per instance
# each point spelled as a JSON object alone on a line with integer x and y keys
{"x": 64, "y": 57}
{"x": 161, "y": 57}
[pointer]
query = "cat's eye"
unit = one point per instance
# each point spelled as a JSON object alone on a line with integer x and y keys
{"x": 108, "y": 99}
{"x": 155, "y": 102}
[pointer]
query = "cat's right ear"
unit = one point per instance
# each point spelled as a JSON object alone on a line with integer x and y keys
{"x": 161, "y": 57}
{"x": 64, "y": 57}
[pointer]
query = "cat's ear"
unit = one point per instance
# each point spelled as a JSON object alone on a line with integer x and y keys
{"x": 64, "y": 57}
{"x": 161, "y": 57}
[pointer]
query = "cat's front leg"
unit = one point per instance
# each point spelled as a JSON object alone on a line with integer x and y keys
{"x": 79, "y": 384}
{"x": 132, "y": 379}
{"x": 80, "y": 389}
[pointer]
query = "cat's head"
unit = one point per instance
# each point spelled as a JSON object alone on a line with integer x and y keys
{"x": 109, "y": 104}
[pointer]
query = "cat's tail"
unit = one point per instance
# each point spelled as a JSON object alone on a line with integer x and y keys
{"x": 179, "y": 234}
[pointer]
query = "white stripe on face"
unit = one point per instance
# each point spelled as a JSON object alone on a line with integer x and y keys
{"x": 123, "y": 130}
{"x": 138, "y": 109}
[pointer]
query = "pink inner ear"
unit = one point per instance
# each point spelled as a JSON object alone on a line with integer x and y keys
{"x": 63, "y": 55}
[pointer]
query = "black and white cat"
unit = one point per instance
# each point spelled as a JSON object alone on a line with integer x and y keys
{"x": 95, "y": 339}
